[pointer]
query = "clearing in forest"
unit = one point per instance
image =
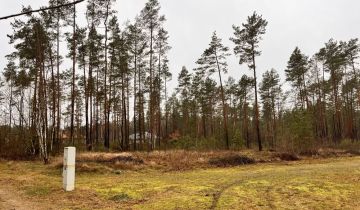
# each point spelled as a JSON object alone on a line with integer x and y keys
{"x": 307, "y": 184}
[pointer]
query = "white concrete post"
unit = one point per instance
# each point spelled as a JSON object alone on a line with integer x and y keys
{"x": 69, "y": 169}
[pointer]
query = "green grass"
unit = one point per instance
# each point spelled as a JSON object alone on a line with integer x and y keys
{"x": 309, "y": 184}
{"x": 37, "y": 190}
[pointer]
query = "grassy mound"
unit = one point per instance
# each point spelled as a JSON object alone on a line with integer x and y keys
{"x": 234, "y": 160}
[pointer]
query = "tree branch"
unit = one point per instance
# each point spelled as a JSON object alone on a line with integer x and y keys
{"x": 42, "y": 9}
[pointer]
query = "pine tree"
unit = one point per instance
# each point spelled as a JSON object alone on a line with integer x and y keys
{"x": 167, "y": 76}
{"x": 82, "y": 58}
{"x": 10, "y": 77}
{"x": 295, "y": 73}
{"x": 58, "y": 15}
{"x": 184, "y": 90}
{"x": 269, "y": 90}
{"x": 106, "y": 12}
{"x": 214, "y": 60}
{"x": 317, "y": 93}
{"x": 334, "y": 60}
{"x": 246, "y": 42}
{"x": 352, "y": 50}
{"x": 31, "y": 48}
{"x": 94, "y": 16}
{"x": 151, "y": 21}
{"x": 197, "y": 85}
{"x": 137, "y": 46}
{"x": 244, "y": 93}
{"x": 162, "y": 47}
{"x": 94, "y": 48}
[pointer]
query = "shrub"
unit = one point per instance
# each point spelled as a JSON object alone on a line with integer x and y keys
{"x": 287, "y": 156}
{"x": 237, "y": 140}
{"x": 233, "y": 160}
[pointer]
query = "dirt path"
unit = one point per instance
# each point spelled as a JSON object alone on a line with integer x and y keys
{"x": 11, "y": 200}
{"x": 218, "y": 194}
{"x": 222, "y": 189}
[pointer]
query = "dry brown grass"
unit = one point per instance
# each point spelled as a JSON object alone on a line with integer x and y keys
{"x": 175, "y": 160}
{"x": 181, "y": 160}
{"x": 331, "y": 152}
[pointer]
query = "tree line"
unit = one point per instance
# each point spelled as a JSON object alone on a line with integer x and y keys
{"x": 115, "y": 95}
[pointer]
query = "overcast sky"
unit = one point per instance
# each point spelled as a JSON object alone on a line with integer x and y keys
{"x": 307, "y": 24}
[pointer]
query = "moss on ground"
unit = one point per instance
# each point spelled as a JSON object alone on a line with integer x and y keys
{"x": 310, "y": 184}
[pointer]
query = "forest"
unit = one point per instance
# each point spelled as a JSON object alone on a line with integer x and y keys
{"x": 114, "y": 96}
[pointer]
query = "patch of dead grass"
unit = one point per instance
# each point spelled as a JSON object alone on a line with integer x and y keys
{"x": 181, "y": 160}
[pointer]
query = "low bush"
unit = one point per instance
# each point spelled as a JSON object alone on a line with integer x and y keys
{"x": 287, "y": 156}
{"x": 348, "y": 144}
{"x": 234, "y": 160}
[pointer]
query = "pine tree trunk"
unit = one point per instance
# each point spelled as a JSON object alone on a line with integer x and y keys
{"x": 135, "y": 97}
{"x": 246, "y": 128}
{"x": 107, "y": 129}
{"x": 10, "y": 103}
{"x": 97, "y": 104}
{"x": 159, "y": 100}
{"x": 127, "y": 111}
{"x": 87, "y": 139}
{"x": 140, "y": 110}
{"x": 224, "y": 106}
{"x": 90, "y": 90}
{"x": 57, "y": 141}
{"x": 257, "y": 123}
{"x": 73, "y": 80}
{"x": 166, "y": 115}
{"x": 53, "y": 135}
{"x": 151, "y": 113}
{"x": 124, "y": 114}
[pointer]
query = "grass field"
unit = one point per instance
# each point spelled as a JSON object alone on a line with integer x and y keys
{"x": 332, "y": 183}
